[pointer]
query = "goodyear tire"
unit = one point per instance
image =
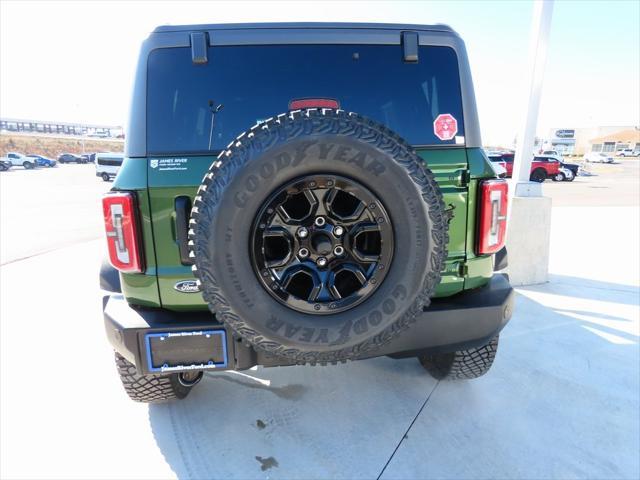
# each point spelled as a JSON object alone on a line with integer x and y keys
{"x": 463, "y": 364}
{"x": 329, "y": 144}
{"x": 153, "y": 388}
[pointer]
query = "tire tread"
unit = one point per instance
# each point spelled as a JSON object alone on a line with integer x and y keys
{"x": 463, "y": 364}
{"x": 148, "y": 388}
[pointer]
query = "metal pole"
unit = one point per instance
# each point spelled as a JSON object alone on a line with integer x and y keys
{"x": 538, "y": 43}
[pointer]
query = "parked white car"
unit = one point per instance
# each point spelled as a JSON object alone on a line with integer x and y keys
{"x": 108, "y": 165}
{"x": 564, "y": 175}
{"x": 20, "y": 160}
{"x": 628, "y": 152}
{"x": 553, "y": 154}
{"x": 598, "y": 157}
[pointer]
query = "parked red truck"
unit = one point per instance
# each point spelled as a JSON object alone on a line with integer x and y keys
{"x": 542, "y": 167}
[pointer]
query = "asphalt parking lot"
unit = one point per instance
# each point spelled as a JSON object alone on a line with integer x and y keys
{"x": 611, "y": 185}
{"x": 562, "y": 400}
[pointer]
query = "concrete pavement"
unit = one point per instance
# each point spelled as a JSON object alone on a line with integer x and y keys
{"x": 562, "y": 399}
{"x": 48, "y": 208}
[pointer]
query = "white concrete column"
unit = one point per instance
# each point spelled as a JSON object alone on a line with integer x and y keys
{"x": 538, "y": 43}
{"x": 529, "y": 224}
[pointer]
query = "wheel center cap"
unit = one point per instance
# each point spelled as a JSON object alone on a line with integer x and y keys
{"x": 321, "y": 243}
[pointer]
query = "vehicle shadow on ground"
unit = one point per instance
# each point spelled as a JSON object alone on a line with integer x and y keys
{"x": 593, "y": 289}
{"x": 539, "y": 413}
{"x": 339, "y": 421}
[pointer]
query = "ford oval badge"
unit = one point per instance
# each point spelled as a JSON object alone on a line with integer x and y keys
{"x": 187, "y": 286}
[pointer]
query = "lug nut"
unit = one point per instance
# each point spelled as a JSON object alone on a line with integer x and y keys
{"x": 339, "y": 250}
{"x": 303, "y": 232}
{"x": 338, "y": 231}
{"x": 320, "y": 221}
{"x": 321, "y": 262}
{"x": 303, "y": 253}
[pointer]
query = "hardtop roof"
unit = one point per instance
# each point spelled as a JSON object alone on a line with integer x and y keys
{"x": 310, "y": 25}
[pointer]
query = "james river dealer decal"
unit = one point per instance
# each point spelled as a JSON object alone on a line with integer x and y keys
{"x": 168, "y": 164}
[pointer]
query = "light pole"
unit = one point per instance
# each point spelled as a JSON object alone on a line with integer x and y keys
{"x": 538, "y": 43}
{"x": 529, "y": 224}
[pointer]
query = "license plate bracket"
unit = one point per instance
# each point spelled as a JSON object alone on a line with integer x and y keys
{"x": 169, "y": 352}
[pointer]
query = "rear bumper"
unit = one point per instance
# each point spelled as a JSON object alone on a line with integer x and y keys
{"x": 466, "y": 320}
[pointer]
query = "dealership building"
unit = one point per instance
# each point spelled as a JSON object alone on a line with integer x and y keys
{"x": 578, "y": 141}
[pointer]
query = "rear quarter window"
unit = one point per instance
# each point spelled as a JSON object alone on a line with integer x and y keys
{"x": 253, "y": 83}
{"x": 110, "y": 161}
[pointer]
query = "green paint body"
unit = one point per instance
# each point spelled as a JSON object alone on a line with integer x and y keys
{"x": 457, "y": 171}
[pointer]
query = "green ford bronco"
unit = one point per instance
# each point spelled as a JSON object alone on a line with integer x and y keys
{"x": 302, "y": 194}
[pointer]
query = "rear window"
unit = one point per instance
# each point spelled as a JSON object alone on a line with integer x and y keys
{"x": 110, "y": 161}
{"x": 253, "y": 83}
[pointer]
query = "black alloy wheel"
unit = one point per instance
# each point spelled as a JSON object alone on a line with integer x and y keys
{"x": 322, "y": 244}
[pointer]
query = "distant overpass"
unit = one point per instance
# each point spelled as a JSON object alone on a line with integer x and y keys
{"x": 60, "y": 128}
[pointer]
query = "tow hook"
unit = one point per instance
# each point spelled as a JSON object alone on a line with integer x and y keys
{"x": 189, "y": 379}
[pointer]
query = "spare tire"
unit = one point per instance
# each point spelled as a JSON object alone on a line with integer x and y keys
{"x": 318, "y": 236}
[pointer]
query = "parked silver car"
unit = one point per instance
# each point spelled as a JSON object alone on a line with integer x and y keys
{"x": 598, "y": 157}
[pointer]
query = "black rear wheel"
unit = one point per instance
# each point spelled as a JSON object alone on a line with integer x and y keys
{"x": 105, "y": 177}
{"x": 463, "y": 364}
{"x": 538, "y": 175}
{"x": 154, "y": 388}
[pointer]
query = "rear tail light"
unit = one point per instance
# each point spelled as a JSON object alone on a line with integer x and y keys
{"x": 122, "y": 231}
{"x": 303, "y": 103}
{"x": 492, "y": 224}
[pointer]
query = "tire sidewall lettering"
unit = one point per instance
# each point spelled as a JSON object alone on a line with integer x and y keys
{"x": 361, "y": 326}
{"x": 290, "y": 158}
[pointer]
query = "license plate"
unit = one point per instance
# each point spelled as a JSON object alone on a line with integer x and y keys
{"x": 182, "y": 351}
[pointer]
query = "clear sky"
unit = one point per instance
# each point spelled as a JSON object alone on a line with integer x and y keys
{"x": 74, "y": 61}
